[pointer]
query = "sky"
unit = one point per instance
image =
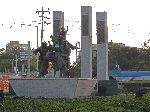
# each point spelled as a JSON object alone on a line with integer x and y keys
{"x": 128, "y": 20}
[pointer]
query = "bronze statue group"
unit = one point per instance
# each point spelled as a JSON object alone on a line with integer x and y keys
{"x": 57, "y": 53}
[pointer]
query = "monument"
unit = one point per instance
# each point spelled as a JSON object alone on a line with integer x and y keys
{"x": 86, "y": 41}
{"x": 102, "y": 46}
{"x": 58, "y": 23}
{"x": 106, "y": 87}
{"x": 57, "y": 52}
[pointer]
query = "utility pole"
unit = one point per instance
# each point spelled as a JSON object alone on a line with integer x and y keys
{"x": 42, "y": 15}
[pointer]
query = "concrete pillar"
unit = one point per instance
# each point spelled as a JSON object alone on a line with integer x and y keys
{"x": 102, "y": 46}
{"x": 86, "y": 42}
{"x": 58, "y": 22}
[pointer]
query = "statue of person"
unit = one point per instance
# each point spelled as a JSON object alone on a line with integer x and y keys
{"x": 54, "y": 40}
{"x": 62, "y": 35}
{"x": 60, "y": 53}
{"x": 65, "y": 53}
{"x": 43, "y": 58}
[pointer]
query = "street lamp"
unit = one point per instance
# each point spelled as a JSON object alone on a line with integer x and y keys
{"x": 16, "y": 64}
{"x": 37, "y": 35}
{"x": 38, "y": 52}
{"x": 12, "y": 65}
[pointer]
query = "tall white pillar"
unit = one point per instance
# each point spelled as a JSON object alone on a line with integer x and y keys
{"x": 86, "y": 42}
{"x": 102, "y": 46}
{"x": 58, "y": 22}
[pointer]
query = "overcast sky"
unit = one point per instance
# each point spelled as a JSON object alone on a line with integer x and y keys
{"x": 128, "y": 20}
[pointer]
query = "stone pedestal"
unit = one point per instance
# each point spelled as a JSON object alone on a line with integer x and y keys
{"x": 107, "y": 87}
{"x": 53, "y": 87}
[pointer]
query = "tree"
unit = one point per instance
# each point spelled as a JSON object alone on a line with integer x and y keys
{"x": 2, "y": 50}
{"x": 34, "y": 62}
{"x": 75, "y": 70}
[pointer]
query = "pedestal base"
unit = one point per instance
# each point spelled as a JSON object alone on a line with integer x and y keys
{"x": 53, "y": 87}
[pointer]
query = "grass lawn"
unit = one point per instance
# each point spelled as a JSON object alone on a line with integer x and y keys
{"x": 119, "y": 103}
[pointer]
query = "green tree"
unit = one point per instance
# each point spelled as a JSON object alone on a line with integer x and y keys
{"x": 75, "y": 70}
{"x": 2, "y": 50}
{"x": 34, "y": 62}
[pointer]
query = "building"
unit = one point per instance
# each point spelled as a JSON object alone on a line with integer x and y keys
{"x": 94, "y": 49}
{"x": 19, "y": 55}
{"x": 112, "y": 44}
{"x": 14, "y": 48}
